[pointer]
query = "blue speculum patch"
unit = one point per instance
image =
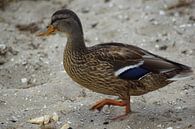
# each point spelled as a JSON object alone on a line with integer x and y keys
{"x": 134, "y": 73}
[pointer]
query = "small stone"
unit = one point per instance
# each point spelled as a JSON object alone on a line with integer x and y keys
{"x": 178, "y": 108}
{"x": 106, "y": 1}
{"x": 170, "y": 128}
{"x": 65, "y": 126}
{"x": 85, "y": 10}
{"x": 69, "y": 122}
{"x": 106, "y": 122}
{"x": 157, "y": 103}
{"x": 12, "y": 59}
{"x": 24, "y": 80}
{"x": 14, "y": 119}
{"x": 192, "y": 18}
{"x": 189, "y": 126}
{"x": 156, "y": 46}
{"x": 157, "y": 40}
{"x": 161, "y": 12}
{"x": 12, "y": 51}
{"x": 184, "y": 51}
{"x": 94, "y": 25}
{"x": 43, "y": 120}
{"x": 164, "y": 47}
{"x": 3, "y": 49}
{"x": 2, "y": 61}
{"x": 2, "y": 46}
{"x": 44, "y": 106}
{"x": 55, "y": 116}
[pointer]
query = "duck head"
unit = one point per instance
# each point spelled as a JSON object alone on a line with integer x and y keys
{"x": 65, "y": 21}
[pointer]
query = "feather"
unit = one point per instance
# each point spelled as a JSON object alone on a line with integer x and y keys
{"x": 126, "y": 68}
{"x": 134, "y": 73}
{"x": 131, "y": 62}
{"x": 182, "y": 75}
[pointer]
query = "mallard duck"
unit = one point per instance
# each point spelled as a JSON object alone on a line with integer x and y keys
{"x": 112, "y": 68}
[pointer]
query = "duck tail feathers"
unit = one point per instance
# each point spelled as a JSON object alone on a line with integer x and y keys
{"x": 183, "y": 73}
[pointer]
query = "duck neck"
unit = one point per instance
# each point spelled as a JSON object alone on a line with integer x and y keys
{"x": 75, "y": 41}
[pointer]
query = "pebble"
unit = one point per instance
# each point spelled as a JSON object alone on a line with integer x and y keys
{"x": 179, "y": 108}
{"x": 14, "y": 119}
{"x": 128, "y": 127}
{"x": 44, "y": 106}
{"x": 3, "y": 49}
{"x": 85, "y": 10}
{"x": 12, "y": 59}
{"x": 2, "y": 61}
{"x": 55, "y": 116}
{"x": 157, "y": 46}
{"x": 106, "y": 122}
{"x": 106, "y": 1}
{"x": 65, "y": 126}
{"x": 69, "y": 122}
{"x": 161, "y": 12}
{"x": 164, "y": 47}
{"x": 159, "y": 125}
{"x": 2, "y": 46}
{"x": 24, "y": 80}
{"x": 170, "y": 128}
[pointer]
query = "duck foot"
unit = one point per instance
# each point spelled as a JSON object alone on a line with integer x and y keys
{"x": 124, "y": 103}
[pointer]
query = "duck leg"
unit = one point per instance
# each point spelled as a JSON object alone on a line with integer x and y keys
{"x": 124, "y": 103}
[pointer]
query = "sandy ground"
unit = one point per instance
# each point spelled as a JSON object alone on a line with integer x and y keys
{"x": 33, "y": 82}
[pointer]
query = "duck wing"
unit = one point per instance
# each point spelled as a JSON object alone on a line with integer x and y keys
{"x": 132, "y": 63}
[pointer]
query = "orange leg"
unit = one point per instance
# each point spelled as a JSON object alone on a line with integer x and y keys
{"x": 124, "y": 103}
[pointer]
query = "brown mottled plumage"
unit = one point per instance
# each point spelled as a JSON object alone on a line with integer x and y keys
{"x": 112, "y": 68}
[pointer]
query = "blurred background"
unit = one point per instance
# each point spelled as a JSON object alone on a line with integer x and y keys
{"x": 33, "y": 82}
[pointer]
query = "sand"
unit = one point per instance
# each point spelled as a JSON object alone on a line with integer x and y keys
{"x": 33, "y": 82}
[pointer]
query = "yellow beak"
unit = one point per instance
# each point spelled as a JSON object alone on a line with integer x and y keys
{"x": 50, "y": 30}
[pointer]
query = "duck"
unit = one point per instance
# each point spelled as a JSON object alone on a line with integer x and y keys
{"x": 112, "y": 68}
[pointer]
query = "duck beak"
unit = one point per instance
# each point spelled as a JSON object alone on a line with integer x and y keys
{"x": 50, "y": 30}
